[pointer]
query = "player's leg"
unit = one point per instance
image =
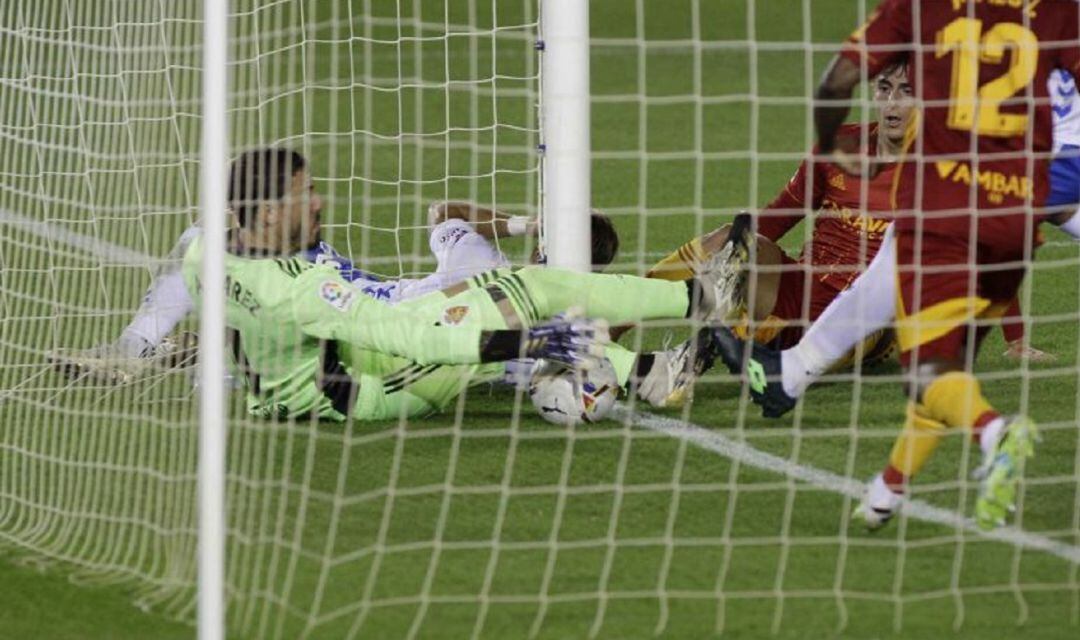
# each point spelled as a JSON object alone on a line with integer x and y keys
{"x": 936, "y": 315}
{"x": 717, "y": 292}
{"x": 765, "y": 280}
{"x": 513, "y": 299}
{"x": 500, "y": 300}
{"x": 858, "y": 315}
{"x": 543, "y": 292}
{"x": 934, "y": 310}
{"x": 1064, "y": 196}
{"x": 866, "y": 307}
{"x": 145, "y": 342}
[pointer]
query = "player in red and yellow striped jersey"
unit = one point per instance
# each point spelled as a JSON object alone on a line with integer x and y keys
{"x": 852, "y": 214}
{"x": 978, "y": 180}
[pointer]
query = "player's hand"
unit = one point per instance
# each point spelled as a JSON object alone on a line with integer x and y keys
{"x": 1017, "y": 352}
{"x": 570, "y": 339}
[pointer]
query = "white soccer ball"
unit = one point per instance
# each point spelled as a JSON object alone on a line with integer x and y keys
{"x": 568, "y": 396}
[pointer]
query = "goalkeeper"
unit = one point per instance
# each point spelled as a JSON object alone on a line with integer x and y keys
{"x": 309, "y": 344}
{"x": 463, "y": 240}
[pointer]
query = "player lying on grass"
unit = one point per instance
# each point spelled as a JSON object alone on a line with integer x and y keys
{"x": 949, "y": 280}
{"x": 309, "y": 344}
{"x": 461, "y": 240}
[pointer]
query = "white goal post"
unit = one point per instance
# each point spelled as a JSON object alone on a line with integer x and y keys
{"x": 213, "y": 425}
{"x": 567, "y": 194}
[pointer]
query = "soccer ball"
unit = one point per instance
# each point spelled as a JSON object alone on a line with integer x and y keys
{"x": 568, "y": 396}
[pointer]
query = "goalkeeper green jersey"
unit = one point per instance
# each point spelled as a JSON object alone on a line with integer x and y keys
{"x": 307, "y": 343}
{"x": 304, "y": 340}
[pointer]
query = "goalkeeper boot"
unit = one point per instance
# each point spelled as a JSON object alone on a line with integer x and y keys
{"x": 761, "y": 368}
{"x": 692, "y": 359}
{"x": 660, "y": 386}
{"x": 878, "y": 505}
{"x": 1001, "y": 471}
{"x": 724, "y": 276}
{"x": 101, "y": 364}
{"x": 177, "y": 351}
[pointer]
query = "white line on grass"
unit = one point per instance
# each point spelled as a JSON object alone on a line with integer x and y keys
{"x": 59, "y": 233}
{"x": 698, "y": 436}
{"x": 829, "y": 481}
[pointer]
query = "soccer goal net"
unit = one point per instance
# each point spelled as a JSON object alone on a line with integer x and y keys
{"x": 481, "y": 521}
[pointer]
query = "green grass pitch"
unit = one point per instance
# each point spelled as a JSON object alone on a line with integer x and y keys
{"x": 485, "y": 519}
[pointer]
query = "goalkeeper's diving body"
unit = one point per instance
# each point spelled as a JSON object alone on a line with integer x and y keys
{"x": 308, "y": 344}
{"x": 463, "y": 239}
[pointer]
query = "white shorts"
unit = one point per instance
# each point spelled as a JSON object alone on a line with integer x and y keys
{"x": 460, "y": 253}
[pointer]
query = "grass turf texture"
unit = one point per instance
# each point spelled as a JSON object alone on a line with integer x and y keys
{"x": 608, "y": 527}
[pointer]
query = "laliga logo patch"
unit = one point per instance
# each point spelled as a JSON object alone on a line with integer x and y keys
{"x": 336, "y": 295}
{"x": 454, "y": 315}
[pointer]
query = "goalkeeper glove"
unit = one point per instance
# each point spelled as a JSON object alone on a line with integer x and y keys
{"x": 570, "y": 339}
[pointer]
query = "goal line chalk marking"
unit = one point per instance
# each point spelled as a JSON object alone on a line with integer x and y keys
{"x": 829, "y": 481}
{"x": 51, "y": 231}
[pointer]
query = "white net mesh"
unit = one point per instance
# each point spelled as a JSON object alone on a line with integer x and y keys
{"x": 482, "y": 521}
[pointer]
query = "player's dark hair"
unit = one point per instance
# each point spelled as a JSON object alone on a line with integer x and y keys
{"x": 904, "y": 64}
{"x": 259, "y": 176}
{"x": 605, "y": 241}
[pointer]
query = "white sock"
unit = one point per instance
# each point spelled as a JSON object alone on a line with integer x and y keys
{"x": 868, "y": 305}
{"x": 881, "y": 495}
{"x": 990, "y": 435}
{"x": 800, "y": 367}
{"x": 165, "y": 305}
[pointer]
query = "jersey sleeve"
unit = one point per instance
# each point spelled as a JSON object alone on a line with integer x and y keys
{"x": 1069, "y": 55}
{"x": 789, "y": 207}
{"x": 875, "y": 42}
{"x": 326, "y": 307}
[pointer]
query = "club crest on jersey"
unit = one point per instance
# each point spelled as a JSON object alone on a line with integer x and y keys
{"x": 836, "y": 181}
{"x": 454, "y": 315}
{"x": 336, "y": 295}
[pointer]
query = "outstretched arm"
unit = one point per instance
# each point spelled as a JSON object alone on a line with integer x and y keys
{"x": 832, "y": 100}
{"x": 489, "y": 223}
